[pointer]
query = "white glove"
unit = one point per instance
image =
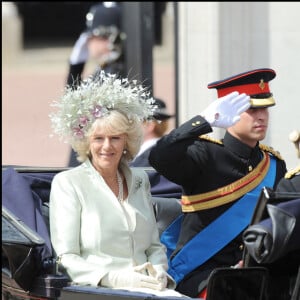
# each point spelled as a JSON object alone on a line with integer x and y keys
{"x": 80, "y": 52}
{"x": 225, "y": 111}
{"x": 130, "y": 278}
{"x": 156, "y": 271}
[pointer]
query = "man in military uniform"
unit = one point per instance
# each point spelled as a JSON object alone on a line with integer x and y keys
{"x": 221, "y": 179}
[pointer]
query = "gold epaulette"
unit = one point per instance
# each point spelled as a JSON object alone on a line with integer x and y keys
{"x": 270, "y": 150}
{"x": 210, "y": 139}
{"x": 292, "y": 173}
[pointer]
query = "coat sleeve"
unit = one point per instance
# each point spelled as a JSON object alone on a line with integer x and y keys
{"x": 177, "y": 150}
{"x": 65, "y": 211}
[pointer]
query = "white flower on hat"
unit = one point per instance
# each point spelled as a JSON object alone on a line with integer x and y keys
{"x": 96, "y": 96}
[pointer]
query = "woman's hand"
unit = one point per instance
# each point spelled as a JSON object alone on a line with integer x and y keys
{"x": 156, "y": 272}
{"x": 131, "y": 278}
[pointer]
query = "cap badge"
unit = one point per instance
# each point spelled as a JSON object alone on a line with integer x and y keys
{"x": 262, "y": 84}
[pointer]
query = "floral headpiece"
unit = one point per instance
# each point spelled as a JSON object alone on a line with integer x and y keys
{"x": 95, "y": 98}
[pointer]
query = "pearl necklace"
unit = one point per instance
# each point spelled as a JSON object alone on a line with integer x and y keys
{"x": 120, "y": 185}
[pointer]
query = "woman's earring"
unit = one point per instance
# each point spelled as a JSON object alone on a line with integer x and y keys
{"x": 124, "y": 151}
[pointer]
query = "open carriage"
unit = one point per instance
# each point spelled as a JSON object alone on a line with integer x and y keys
{"x": 29, "y": 266}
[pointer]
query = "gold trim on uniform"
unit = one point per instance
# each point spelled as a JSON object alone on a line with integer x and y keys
{"x": 196, "y": 123}
{"x": 292, "y": 173}
{"x": 270, "y": 150}
{"x": 210, "y": 139}
{"x": 261, "y": 146}
{"x": 228, "y": 193}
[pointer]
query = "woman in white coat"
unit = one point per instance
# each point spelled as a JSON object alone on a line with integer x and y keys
{"x": 102, "y": 222}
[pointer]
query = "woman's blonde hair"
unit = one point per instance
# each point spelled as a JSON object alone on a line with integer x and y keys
{"x": 113, "y": 123}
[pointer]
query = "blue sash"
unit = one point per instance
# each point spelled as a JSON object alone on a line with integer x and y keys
{"x": 171, "y": 234}
{"x": 216, "y": 236}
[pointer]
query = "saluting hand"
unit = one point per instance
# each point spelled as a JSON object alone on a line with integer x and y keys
{"x": 225, "y": 111}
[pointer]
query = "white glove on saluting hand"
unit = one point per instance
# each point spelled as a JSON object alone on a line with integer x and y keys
{"x": 133, "y": 277}
{"x": 225, "y": 111}
{"x": 80, "y": 52}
